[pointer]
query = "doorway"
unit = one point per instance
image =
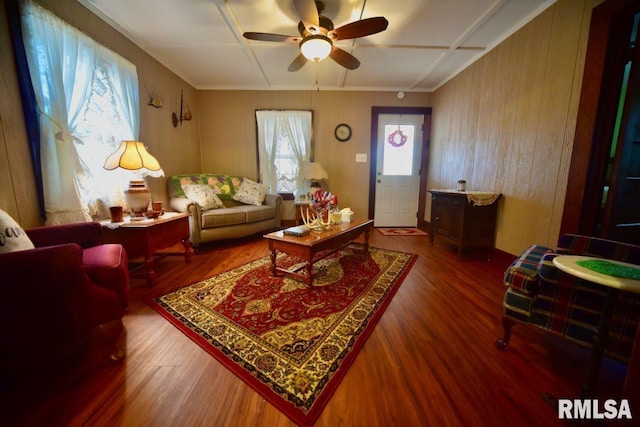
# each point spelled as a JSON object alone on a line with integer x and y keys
{"x": 621, "y": 194}
{"x": 398, "y": 170}
{"x": 603, "y": 190}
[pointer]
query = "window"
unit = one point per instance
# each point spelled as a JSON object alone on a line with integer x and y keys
{"x": 286, "y": 166}
{"x": 88, "y": 101}
{"x": 284, "y": 146}
{"x": 398, "y": 150}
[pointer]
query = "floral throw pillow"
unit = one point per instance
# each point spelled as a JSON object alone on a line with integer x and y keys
{"x": 250, "y": 192}
{"x": 12, "y": 237}
{"x": 203, "y": 195}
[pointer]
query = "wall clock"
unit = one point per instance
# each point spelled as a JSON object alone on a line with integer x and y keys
{"x": 343, "y": 132}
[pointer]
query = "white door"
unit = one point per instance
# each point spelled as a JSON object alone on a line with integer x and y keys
{"x": 398, "y": 170}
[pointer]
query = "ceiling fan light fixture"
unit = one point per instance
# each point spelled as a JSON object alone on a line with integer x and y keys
{"x": 316, "y": 47}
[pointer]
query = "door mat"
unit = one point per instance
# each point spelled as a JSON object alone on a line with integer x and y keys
{"x": 401, "y": 231}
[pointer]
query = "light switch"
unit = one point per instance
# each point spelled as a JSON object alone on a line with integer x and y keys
{"x": 361, "y": 157}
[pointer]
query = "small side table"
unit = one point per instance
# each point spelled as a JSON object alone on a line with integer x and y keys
{"x": 146, "y": 237}
{"x": 568, "y": 264}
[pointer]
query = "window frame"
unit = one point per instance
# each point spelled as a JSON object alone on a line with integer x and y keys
{"x": 304, "y": 189}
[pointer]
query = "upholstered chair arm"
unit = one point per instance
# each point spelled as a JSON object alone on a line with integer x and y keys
{"x": 522, "y": 274}
{"x": 274, "y": 200}
{"x": 85, "y": 234}
{"x": 184, "y": 204}
{"x": 549, "y": 272}
{"x": 181, "y": 204}
{"x": 48, "y": 271}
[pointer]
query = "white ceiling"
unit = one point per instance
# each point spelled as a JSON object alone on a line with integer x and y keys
{"x": 426, "y": 43}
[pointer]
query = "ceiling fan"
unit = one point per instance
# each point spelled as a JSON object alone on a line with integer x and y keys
{"x": 318, "y": 35}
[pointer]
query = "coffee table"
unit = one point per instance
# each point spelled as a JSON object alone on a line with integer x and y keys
{"x": 315, "y": 246}
{"x": 146, "y": 237}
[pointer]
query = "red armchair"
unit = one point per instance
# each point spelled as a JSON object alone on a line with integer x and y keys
{"x": 59, "y": 300}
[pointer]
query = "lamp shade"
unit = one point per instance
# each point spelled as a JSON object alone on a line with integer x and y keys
{"x": 315, "y": 172}
{"x": 133, "y": 156}
{"x": 316, "y": 47}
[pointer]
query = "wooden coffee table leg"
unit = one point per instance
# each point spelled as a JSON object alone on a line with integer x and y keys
{"x": 187, "y": 249}
{"x": 366, "y": 241}
{"x": 309, "y": 271}
{"x": 273, "y": 263}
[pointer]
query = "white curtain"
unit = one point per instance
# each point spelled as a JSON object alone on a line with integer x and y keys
{"x": 267, "y": 144}
{"x": 296, "y": 125}
{"x": 66, "y": 69}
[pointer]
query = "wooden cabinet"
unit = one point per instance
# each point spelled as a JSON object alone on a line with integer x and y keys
{"x": 456, "y": 218}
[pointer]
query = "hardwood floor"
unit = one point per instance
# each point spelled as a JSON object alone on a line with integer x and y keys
{"x": 430, "y": 361}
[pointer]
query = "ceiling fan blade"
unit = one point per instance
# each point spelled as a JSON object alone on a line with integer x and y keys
{"x": 344, "y": 58}
{"x": 364, "y": 27}
{"x": 268, "y": 37}
{"x": 308, "y": 12}
{"x": 297, "y": 63}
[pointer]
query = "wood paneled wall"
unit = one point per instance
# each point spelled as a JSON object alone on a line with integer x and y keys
{"x": 507, "y": 124}
{"x": 177, "y": 149}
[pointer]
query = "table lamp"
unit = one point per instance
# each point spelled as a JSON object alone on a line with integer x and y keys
{"x": 314, "y": 173}
{"x": 133, "y": 156}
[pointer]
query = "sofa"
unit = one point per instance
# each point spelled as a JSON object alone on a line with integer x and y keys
{"x": 234, "y": 212}
{"x": 539, "y": 294}
{"x": 63, "y": 298}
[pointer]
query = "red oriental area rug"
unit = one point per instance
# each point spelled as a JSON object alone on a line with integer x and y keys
{"x": 292, "y": 343}
{"x": 401, "y": 231}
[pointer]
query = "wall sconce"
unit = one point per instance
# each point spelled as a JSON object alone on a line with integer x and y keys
{"x": 155, "y": 100}
{"x": 186, "y": 116}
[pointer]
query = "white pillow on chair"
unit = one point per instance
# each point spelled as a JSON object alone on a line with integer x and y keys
{"x": 12, "y": 237}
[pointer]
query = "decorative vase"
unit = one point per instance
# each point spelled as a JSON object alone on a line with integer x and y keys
{"x": 138, "y": 198}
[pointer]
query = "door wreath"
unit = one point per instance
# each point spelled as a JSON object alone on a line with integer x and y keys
{"x": 397, "y": 138}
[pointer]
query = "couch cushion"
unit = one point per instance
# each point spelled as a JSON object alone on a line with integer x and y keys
{"x": 251, "y": 192}
{"x": 12, "y": 236}
{"x": 222, "y": 217}
{"x": 258, "y": 213}
{"x": 203, "y": 195}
